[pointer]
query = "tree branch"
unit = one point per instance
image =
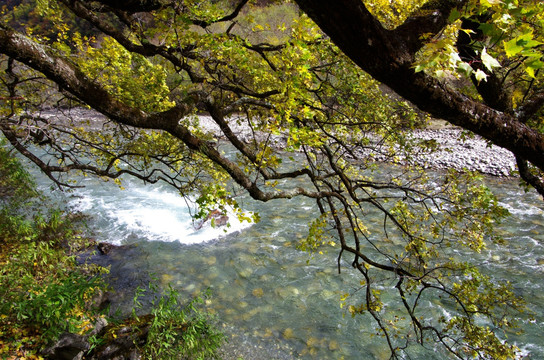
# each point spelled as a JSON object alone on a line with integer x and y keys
{"x": 69, "y": 77}
{"x": 146, "y": 48}
{"x": 133, "y": 6}
{"x": 430, "y": 19}
{"x": 386, "y": 58}
{"x": 231, "y": 16}
{"x": 535, "y": 181}
{"x": 531, "y": 107}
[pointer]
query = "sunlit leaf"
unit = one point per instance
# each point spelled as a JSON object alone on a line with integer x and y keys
{"x": 480, "y": 75}
{"x": 489, "y": 61}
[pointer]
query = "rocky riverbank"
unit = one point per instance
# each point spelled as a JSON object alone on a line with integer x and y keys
{"x": 460, "y": 151}
{"x": 455, "y": 148}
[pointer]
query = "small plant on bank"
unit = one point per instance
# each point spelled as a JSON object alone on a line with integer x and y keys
{"x": 43, "y": 292}
{"x": 178, "y": 330}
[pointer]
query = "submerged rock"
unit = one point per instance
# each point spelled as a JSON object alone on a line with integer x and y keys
{"x": 288, "y": 334}
{"x": 105, "y": 248}
{"x": 258, "y": 292}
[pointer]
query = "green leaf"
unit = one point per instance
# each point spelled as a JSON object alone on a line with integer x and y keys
{"x": 465, "y": 67}
{"x": 519, "y": 44}
{"x": 419, "y": 68}
{"x": 489, "y": 3}
{"x": 532, "y": 66}
{"x": 512, "y": 47}
{"x": 454, "y": 15}
{"x": 487, "y": 29}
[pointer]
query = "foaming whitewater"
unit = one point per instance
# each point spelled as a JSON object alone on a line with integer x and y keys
{"x": 153, "y": 213}
{"x": 522, "y": 209}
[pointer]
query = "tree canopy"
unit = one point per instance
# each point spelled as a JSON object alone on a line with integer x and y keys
{"x": 495, "y": 44}
{"x": 300, "y": 117}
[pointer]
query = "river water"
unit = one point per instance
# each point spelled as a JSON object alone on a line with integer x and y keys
{"x": 272, "y": 300}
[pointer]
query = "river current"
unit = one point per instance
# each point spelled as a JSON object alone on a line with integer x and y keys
{"x": 272, "y": 300}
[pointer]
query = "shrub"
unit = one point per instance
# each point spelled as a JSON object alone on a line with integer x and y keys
{"x": 42, "y": 291}
{"x": 178, "y": 330}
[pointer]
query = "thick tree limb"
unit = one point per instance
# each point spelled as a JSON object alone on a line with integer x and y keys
{"x": 430, "y": 19}
{"x": 71, "y": 79}
{"x": 387, "y": 55}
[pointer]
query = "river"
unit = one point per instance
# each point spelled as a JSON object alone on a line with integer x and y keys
{"x": 272, "y": 300}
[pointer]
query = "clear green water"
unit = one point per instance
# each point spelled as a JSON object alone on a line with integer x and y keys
{"x": 273, "y": 298}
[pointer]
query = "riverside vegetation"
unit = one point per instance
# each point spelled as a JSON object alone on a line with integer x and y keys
{"x": 45, "y": 294}
{"x": 152, "y": 66}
